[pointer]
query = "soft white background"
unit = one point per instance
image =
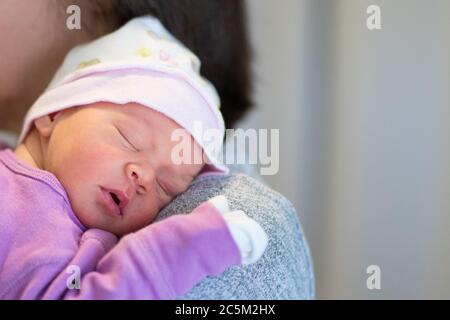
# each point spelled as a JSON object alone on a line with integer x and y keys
{"x": 364, "y": 119}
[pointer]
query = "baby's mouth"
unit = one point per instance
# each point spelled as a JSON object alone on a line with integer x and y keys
{"x": 114, "y": 201}
{"x": 115, "y": 198}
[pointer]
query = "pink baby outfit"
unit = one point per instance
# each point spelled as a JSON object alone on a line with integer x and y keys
{"x": 42, "y": 241}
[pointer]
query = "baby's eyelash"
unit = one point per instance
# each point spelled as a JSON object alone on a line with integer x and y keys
{"x": 126, "y": 139}
{"x": 167, "y": 192}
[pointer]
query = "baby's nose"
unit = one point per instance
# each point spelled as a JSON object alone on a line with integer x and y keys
{"x": 142, "y": 178}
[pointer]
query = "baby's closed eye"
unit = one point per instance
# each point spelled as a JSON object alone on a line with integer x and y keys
{"x": 164, "y": 189}
{"x": 126, "y": 139}
{"x": 173, "y": 188}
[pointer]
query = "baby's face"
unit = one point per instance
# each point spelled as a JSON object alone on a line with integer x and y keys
{"x": 115, "y": 164}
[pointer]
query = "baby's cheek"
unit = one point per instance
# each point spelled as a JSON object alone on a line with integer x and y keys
{"x": 146, "y": 214}
{"x": 93, "y": 159}
{"x": 86, "y": 168}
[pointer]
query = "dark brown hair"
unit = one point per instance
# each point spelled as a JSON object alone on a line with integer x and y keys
{"x": 215, "y": 30}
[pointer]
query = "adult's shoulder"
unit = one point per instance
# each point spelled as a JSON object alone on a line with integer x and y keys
{"x": 284, "y": 272}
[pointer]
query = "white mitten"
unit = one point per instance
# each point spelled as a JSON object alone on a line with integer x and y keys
{"x": 246, "y": 232}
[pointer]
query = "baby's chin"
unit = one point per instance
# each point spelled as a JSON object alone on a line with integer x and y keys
{"x": 97, "y": 219}
{"x": 92, "y": 214}
{"x": 97, "y": 223}
{"x": 93, "y": 217}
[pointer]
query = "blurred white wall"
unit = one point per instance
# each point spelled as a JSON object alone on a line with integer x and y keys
{"x": 364, "y": 119}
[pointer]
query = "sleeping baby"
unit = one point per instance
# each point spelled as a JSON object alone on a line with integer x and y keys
{"x": 94, "y": 166}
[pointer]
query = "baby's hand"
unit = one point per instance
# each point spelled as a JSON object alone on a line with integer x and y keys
{"x": 246, "y": 232}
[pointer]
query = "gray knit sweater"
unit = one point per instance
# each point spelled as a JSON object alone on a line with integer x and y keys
{"x": 285, "y": 270}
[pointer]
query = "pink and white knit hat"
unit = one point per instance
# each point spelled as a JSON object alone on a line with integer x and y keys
{"x": 141, "y": 63}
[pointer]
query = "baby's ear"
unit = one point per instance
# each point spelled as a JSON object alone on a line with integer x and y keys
{"x": 46, "y": 124}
